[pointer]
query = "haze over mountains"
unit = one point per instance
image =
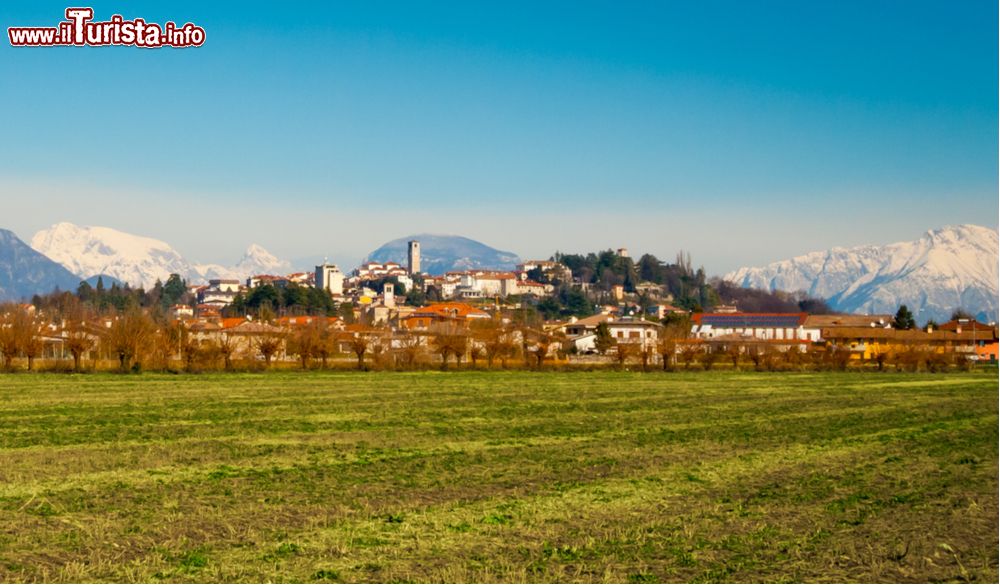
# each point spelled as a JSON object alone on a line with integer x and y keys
{"x": 944, "y": 269}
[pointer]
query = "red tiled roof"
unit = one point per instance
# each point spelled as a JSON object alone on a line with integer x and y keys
{"x": 450, "y": 310}
{"x": 230, "y": 322}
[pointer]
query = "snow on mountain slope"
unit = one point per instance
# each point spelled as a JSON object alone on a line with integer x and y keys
{"x": 86, "y": 251}
{"x": 257, "y": 260}
{"x": 138, "y": 260}
{"x": 944, "y": 269}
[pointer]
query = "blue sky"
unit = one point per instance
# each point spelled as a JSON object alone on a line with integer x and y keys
{"x": 743, "y": 132}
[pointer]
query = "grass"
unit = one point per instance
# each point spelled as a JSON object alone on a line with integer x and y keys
{"x": 502, "y": 476}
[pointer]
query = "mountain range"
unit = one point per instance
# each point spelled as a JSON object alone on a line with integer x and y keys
{"x": 943, "y": 270}
{"x": 24, "y": 272}
{"x": 441, "y": 253}
{"x": 139, "y": 260}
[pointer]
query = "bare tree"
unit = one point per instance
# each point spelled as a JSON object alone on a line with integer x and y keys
{"x": 409, "y": 348}
{"x": 667, "y": 348}
{"x": 381, "y": 346}
{"x": 359, "y": 342}
{"x": 268, "y": 344}
{"x": 80, "y": 333}
{"x": 326, "y": 340}
{"x": 304, "y": 342}
{"x": 734, "y": 351}
{"x": 689, "y": 353}
{"x": 709, "y": 357}
{"x": 625, "y": 351}
{"x": 13, "y": 319}
{"x": 32, "y": 339}
{"x": 129, "y": 338}
{"x": 450, "y": 339}
{"x": 226, "y": 347}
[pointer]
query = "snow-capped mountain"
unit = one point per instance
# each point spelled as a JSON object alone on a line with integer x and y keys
{"x": 256, "y": 260}
{"x": 945, "y": 269}
{"x": 138, "y": 260}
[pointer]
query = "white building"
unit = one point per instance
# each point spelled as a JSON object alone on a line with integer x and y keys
{"x": 219, "y": 292}
{"x": 758, "y": 326}
{"x": 330, "y": 278}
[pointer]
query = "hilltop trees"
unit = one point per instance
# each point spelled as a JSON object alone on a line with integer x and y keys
{"x": 292, "y": 298}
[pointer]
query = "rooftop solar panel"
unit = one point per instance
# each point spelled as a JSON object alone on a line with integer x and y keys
{"x": 780, "y": 321}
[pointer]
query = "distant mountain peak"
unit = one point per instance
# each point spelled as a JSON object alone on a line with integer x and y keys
{"x": 89, "y": 250}
{"x": 440, "y": 253}
{"x": 945, "y": 269}
{"x": 257, "y": 260}
{"x": 139, "y": 260}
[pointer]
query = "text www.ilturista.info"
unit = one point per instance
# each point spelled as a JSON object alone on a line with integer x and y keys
{"x": 79, "y": 30}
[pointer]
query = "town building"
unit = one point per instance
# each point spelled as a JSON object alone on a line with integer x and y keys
{"x": 453, "y": 312}
{"x": 869, "y": 342}
{"x": 219, "y": 293}
{"x": 753, "y": 326}
{"x": 330, "y": 279}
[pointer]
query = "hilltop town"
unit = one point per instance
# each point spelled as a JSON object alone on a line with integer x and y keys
{"x": 557, "y": 311}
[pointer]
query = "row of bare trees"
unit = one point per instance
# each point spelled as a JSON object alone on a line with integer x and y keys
{"x": 133, "y": 340}
{"x": 491, "y": 341}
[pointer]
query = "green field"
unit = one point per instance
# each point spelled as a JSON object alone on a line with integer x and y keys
{"x": 501, "y": 476}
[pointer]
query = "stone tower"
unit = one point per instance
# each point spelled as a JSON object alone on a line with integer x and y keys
{"x": 413, "y": 257}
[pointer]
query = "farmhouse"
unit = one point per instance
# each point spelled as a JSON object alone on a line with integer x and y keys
{"x": 868, "y": 342}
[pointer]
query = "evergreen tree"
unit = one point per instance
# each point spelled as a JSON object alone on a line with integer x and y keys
{"x": 602, "y": 339}
{"x": 904, "y": 319}
{"x": 173, "y": 290}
